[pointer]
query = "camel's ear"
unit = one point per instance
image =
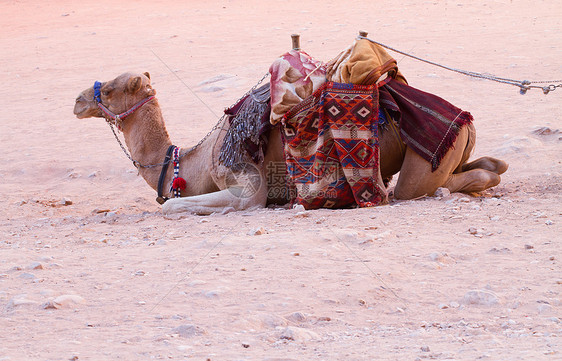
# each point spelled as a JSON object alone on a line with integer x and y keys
{"x": 147, "y": 74}
{"x": 134, "y": 84}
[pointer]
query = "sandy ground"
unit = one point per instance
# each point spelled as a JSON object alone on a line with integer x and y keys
{"x": 91, "y": 270}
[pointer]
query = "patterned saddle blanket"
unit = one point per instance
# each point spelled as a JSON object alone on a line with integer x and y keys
{"x": 332, "y": 149}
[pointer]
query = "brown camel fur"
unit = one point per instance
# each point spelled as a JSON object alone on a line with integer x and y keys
{"x": 210, "y": 188}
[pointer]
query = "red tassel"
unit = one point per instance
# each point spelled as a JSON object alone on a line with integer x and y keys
{"x": 179, "y": 183}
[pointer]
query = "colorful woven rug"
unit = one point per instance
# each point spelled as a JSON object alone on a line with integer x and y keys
{"x": 428, "y": 124}
{"x": 332, "y": 149}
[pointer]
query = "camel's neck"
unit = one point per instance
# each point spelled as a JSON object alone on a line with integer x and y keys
{"x": 147, "y": 139}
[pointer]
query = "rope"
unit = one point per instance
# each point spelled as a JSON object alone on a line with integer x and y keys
{"x": 523, "y": 85}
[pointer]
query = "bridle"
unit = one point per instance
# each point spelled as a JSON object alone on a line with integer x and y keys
{"x": 109, "y": 115}
{"x": 172, "y": 155}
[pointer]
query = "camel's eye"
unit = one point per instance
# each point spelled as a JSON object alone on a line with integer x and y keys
{"x": 105, "y": 93}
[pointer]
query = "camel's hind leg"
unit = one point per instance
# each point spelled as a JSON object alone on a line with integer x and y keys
{"x": 494, "y": 165}
{"x": 474, "y": 180}
{"x": 416, "y": 178}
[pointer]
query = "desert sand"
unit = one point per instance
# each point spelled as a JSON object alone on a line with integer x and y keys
{"x": 90, "y": 269}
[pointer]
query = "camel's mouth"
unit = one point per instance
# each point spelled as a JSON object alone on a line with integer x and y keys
{"x": 84, "y": 108}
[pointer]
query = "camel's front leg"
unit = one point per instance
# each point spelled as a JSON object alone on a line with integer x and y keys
{"x": 231, "y": 199}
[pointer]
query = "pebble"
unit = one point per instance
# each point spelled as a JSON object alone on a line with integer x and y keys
{"x": 443, "y": 306}
{"x": 544, "y": 308}
{"x": 500, "y": 250}
{"x": 442, "y": 192}
{"x": 27, "y": 276}
{"x": 480, "y": 297}
{"x": 196, "y": 283}
{"x": 20, "y": 301}
{"x": 257, "y": 231}
{"x": 65, "y": 202}
{"x": 299, "y": 208}
{"x": 35, "y": 265}
{"x": 298, "y": 334}
{"x": 189, "y": 330}
{"x": 464, "y": 200}
{"x": 425, "y": 348}
{"x": 64, "y": 301}
{"x": 296, "y": 317}
{"x": 548, "y": 222}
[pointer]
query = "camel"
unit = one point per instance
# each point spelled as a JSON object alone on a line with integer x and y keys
{"x": 211, "y": 188}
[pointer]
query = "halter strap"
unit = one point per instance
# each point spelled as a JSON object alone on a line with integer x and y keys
{"x": 161, "y": 199}
{"x": 108, "y": 113}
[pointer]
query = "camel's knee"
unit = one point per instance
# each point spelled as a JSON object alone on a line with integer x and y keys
{"x": 491, "y": 164}
{"x": 474, "y": 180}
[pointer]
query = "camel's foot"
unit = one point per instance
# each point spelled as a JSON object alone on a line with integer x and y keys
{"x": 472, "y": 181}
{"x": 494, "y": 165}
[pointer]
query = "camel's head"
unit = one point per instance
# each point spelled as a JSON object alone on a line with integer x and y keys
{"x": 117, "y": 95}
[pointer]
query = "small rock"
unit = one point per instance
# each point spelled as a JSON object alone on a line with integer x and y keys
{"x": 528, "y": 247}
{"x": 35, "y": 265}
{"x": 299, "y": 208}
{"x": 545, "y": 131}
{"x": 464, "y": 200}
{"x": 296, "y": 317}
{"x": 64, "y": 202}
{"x": 298, "y": 334}
{"x": 257, "y": 231}
{"x": 544, "y": 308}
{"x": 443, "y": 306}
{"x": 500, "y": 250}
{"x": 64, "y": 301}
{"x": 425, "y": 348}
{"x": 27, "y": 276}
{"x": 189, "y": 330}
{"x": 20, "y": 301}
{"x": 442, "y": 192}
{"x": 480, "y": 297}
{"x": 454, "y": 304}
{"x": 473, "y": 230}
{"x": 548, "y": 222}
{"x": 139, "y": 273}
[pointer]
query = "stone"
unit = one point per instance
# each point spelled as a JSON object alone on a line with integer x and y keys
{"x": 189, "y": 330}
{"x": 298, "y": 334}
{"x": 20, "y": 301}
{"x": 35, "y": 265}
{"x": 296, "y": 317}
{"x": 480, "y": 297}
{"x": 442, "y": 192}
{"x": 63, "y": 301}
{"x": 425, "y": 349}
{"x": 27, "y": 276}
{"x": 257, "y": 231}
{"x": 65, "y": 202}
